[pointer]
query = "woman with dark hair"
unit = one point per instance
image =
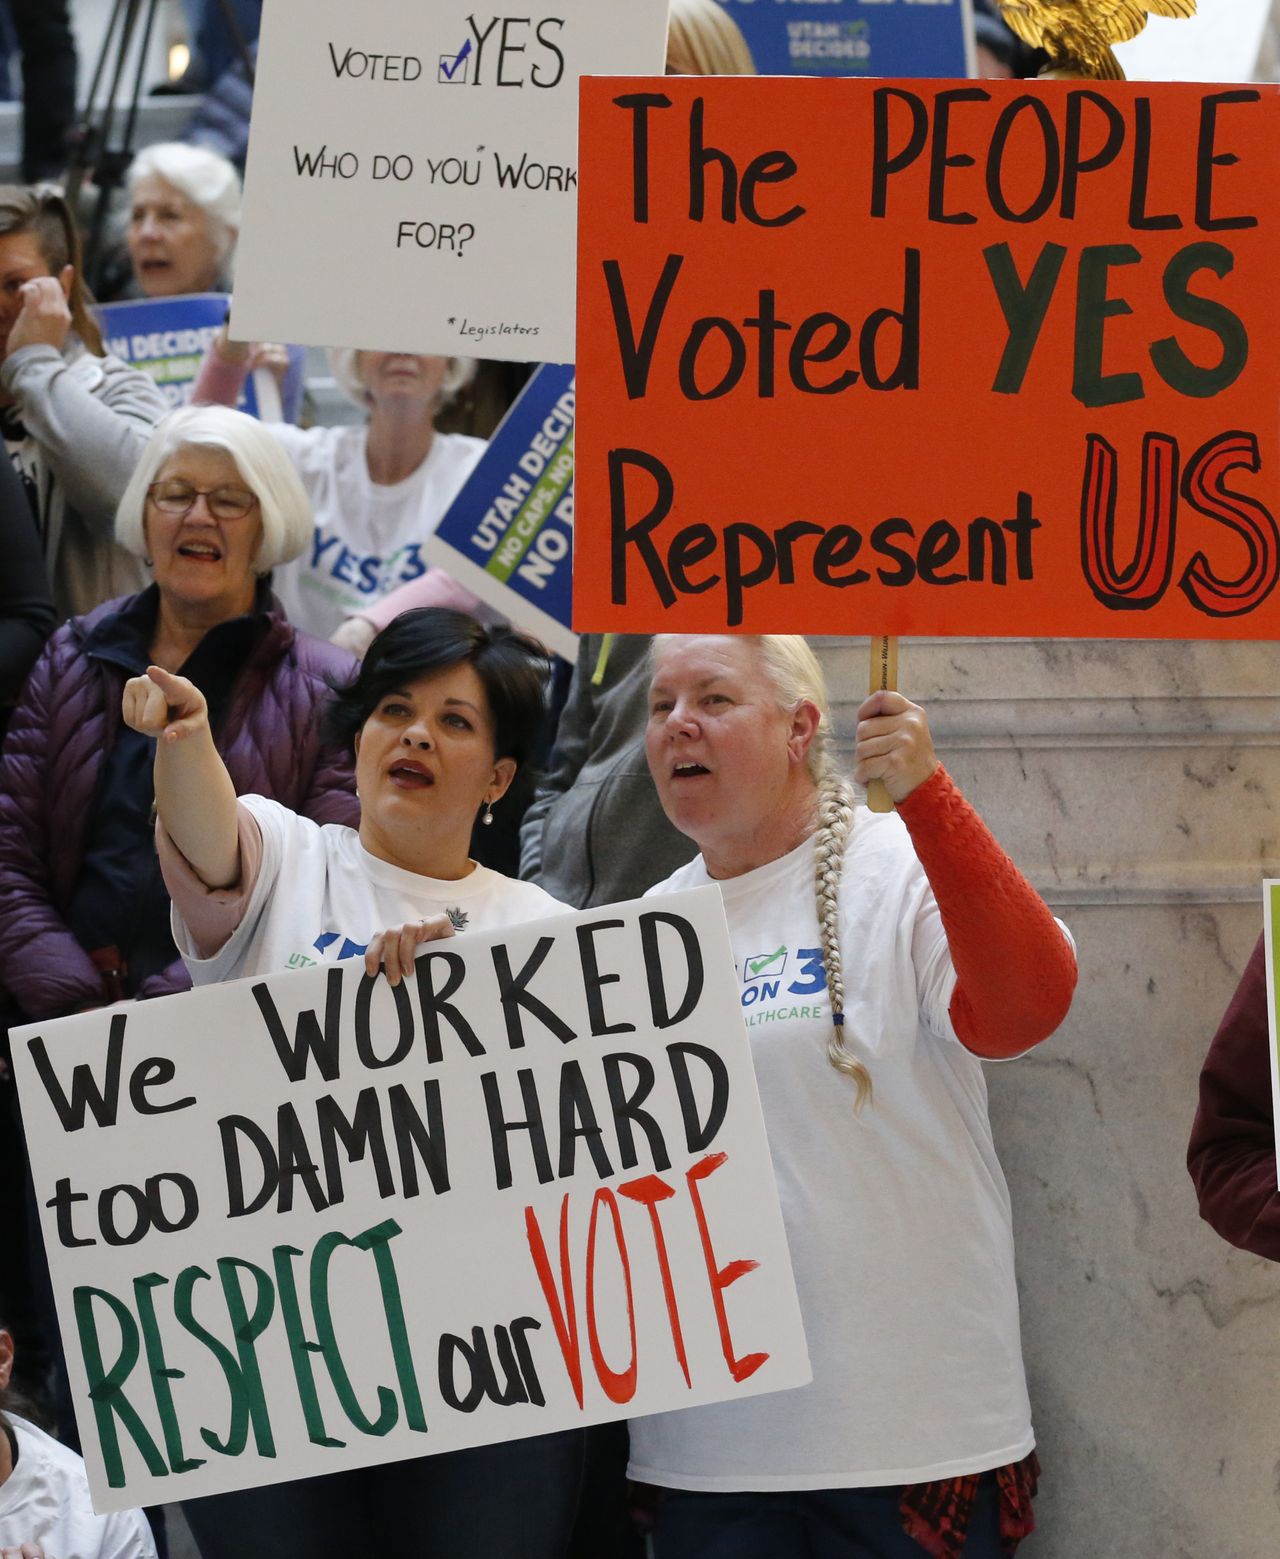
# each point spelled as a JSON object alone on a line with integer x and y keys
{"x": 440, "y": 715}
{"x": 45, "y": 1511}
{"x": 74, "y": 419}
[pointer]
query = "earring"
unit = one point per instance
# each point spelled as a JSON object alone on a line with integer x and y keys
{"x": 488, "y": 814}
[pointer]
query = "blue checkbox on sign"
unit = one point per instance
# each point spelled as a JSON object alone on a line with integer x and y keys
{"x": 453, "y": 67}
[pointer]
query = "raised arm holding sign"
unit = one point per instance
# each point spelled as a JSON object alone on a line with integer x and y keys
{"x": 894, "y": 950}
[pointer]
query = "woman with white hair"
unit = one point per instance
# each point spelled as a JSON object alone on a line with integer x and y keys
{"x": 378, "y": 490}
{"x": 184, "y": 218}
{"x": 212, "y": 507}
{"x": 882, "y": 959}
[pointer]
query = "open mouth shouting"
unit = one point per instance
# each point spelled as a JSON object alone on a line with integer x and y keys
{"x": 685, "y": 769}
{"x": 408, "y": 774}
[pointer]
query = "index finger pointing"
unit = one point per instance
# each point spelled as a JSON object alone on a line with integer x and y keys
{"x": 167, "y": 681}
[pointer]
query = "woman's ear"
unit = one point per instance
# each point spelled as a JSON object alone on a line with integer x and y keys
{"x": 6, "y": 1358}
{"x": 805, "y": 721}
{"x": 504, "y": 771}
{"x": 66, "y": 280}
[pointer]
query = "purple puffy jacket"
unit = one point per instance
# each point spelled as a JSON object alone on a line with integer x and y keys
{"x": 271, "y": 740}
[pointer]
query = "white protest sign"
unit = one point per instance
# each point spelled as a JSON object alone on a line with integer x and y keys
{"x": 308, "y": 1222}
{"x": 412, "y": 172}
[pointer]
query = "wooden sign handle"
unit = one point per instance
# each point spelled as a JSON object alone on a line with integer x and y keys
{"x": 884, "y": 676}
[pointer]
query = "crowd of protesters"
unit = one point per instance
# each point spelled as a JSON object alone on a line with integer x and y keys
{"x": 204, "y": 714}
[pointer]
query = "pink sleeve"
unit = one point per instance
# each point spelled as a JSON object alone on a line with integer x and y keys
{"x": 219, "y": 382}
{"x": 211, "y": 914}
{"x": 434, "y": 588}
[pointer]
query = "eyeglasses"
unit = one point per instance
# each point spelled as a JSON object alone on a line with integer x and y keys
{"x": 179, "y": 498}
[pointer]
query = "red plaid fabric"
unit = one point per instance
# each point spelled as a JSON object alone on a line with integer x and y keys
{"x": 937, "y": 1515}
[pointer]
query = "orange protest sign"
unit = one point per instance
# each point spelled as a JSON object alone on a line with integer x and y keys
{"x": 929, "y": 357}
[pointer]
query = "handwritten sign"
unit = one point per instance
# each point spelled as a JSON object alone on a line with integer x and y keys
{"x": 508, "y": 535}
{"x": 906, "y": 357}
{"x": 856, "y": 37}
{"x": 413, "y": 172}
{"x": 309, "y": 1222}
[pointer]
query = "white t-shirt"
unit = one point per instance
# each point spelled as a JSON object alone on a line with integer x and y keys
{"x": 897, "y": 1219}
{"x": 368, "y": 538}
{"x": 320, "y": 897}
{"x": 46, "y": 1501}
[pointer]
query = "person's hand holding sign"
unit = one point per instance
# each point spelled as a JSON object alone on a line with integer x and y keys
{"x": 45, "y": 316}
{"x": 893, "y": 744}
{"x": 397, "y": 947}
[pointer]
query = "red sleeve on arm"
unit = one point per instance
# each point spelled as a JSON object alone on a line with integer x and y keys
{"x": 1232, "y": 1153}
{"x": 1015, "y": 971}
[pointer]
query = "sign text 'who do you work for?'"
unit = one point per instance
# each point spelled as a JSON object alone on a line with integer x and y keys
{"x": 980, "y": 358}
{"x": 419, "y": 162}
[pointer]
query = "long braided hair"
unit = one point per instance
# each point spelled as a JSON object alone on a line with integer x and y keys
{"x": 793, "y": 669}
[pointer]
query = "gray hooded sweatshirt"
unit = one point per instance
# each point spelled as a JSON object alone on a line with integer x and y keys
{"x": 87, "y": 420}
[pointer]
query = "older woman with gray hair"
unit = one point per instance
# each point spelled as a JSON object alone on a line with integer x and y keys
{"x": 212, "y": 508}
{"x": 183, "y": 224}
{"x": 378, "y": 489}
{"x": 184, "y": 219}
{"x": 883, "y": 958}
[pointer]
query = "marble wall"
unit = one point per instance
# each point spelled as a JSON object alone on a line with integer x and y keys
{"x": 1137, "y": 785}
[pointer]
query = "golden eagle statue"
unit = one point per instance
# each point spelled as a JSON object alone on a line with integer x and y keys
{"x": 1077, "y": 34}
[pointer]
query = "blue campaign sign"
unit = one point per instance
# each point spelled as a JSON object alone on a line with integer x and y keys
{"x": 168, "y": 337}
{"x": 929, "y": 38}
{"x": 508, "y": 535}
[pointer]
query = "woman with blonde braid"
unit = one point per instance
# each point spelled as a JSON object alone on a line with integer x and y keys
{"x": 882, "y": 958}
